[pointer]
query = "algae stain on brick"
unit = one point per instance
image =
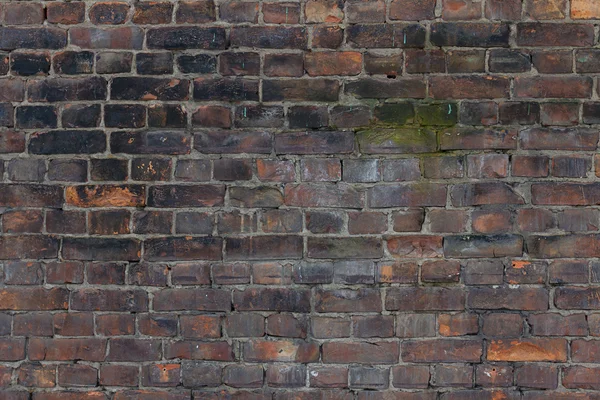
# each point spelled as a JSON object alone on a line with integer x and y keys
{"x": 406, "y": 128}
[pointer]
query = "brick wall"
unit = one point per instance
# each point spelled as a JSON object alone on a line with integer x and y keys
{"x": 315, "y": 200}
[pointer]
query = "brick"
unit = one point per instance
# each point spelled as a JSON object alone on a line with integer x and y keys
{"x": 271, "y": 37}
{"x": 145, "y": 89}
{"x": 306, "y": 117}
{"x": 346, "y": 300}
{"x": 553, "y": 61}
{"x": 523, "y": 272}
{"x": 109, "y": 13}
{"x": 113, "y": 62}
{"x": 73, "y": 62}
{"x": 458, "y": 324}
{"x": 324, "y": 222}
{"x": 32, "y": 324}
{"x": 33, "y": 37}
{"x": 542, "y": 34}
{"x": 407, "y": 195}
{"x": 580, "y": 377}
{"x": 22, "y": 222}
{"x": 77, "y": 375}
{"x": 326, "y": 90}
{"x": 23, "y": 247}
{"x": 81, "y": 116}
{"x": 465, "y": 61}
{"x": 74, "y": 324}
{"x": 23, "y": 273}
{"x": 281, "y": 350}
{"x": 383, "y": 64}
{"x": 470, "y": 35}
{"x": 291, "y": 65}
{"x": 523, "y": 113}
{"x": 537, "y": 377}
{"x": 185, "y": 37}
{"x": 424, "y": 299}
{"x": 453, "y": 376}
{"x": 550, "y": 87}
{"x": 110, "y": 300}
{"x": 568, "y": 271}
{"x": 125, "y": 116}
{"x": 552, "y": 350}
{"x": 373, "y": 88}
{"x": 122, "y": 349}
{"x": 286, "y": 376}
{"x": 417, "y": 246}
{"x": 469, "y": 87}
{"x": 12, "y": 90}
{"x": 225, "y": 89}
{"x": 443, "y": 167}
{"x": 584, "y": 10}
{"x": 366, "y": 223}
{"x": 240, "y": 63}
{"x": 157, "y": 325}
{"x": 199, "y": 12}
{"x": 36, "y": 375}
{"x": 281, "y": 13}
{"x": 154, "y": 63}
{"x": 490, "y": 375}
{"x": 186, "y": 248}
{"x": 333, "y": 63}
{"x": 107, "y": 38}
{"x": 454, "y": 10}
{"x": 442, "y": 350}
{"x": 546, "y": 10}
{"x": 519, "y": 298}
{"x": 155, "y": 12}
{"x": 115, "y": 325}
{"x": 369, "y": 378}
{"x": 408, "y": 10}
{"x": 374, "y": 352}
{"x": 502, "y": 9}
{"x": 65, "y": 13}
{"x": 558, "y": 325}
{"x": 67, "y": 349}
{"x": 465, "y": 195}
{"x": 30, "y": 64}
{"x": 570, "y": 166}
{"x": 396, "y": 272}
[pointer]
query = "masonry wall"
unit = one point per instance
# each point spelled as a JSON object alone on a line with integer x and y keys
{"x": 315, "y": 200}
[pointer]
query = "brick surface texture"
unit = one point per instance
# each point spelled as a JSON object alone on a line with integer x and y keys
{"x": 299, "y": 200}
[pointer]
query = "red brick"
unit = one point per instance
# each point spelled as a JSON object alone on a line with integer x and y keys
{"x": 281, "y": 350}
{"x": 333, "y": 63}
{"x": 366, "y": 352}
{"x": 581, "y": 9}
{"x": 442, "y": 350}
{"x": 527, "y": 350}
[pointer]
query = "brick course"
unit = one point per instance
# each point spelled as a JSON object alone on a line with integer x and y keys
{"x": 299, "y": 199}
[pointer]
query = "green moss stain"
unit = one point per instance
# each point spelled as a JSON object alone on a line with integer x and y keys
{"x": 443, "y": 114}
{"x": 395, "y": 114}
{"x": 397, "y": 140}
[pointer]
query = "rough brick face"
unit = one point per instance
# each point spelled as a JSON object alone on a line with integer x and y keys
{"x": 299, "y": 200}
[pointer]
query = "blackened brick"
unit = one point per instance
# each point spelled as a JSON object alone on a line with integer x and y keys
{"x": 73, "y": 62}
{"x": 28, "y": 64}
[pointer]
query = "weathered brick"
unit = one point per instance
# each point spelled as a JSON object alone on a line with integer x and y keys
{"x": 469, "y": 87}
{"x": 196, "y": 299}
{"x": 280, "y": 351}
{"x": 544, "y": 34}
{"x": 553, "y": 350}
{"x": 518, "y": 298}
{"x": 442, "y": 350}
{"x": 65, "y": 13}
